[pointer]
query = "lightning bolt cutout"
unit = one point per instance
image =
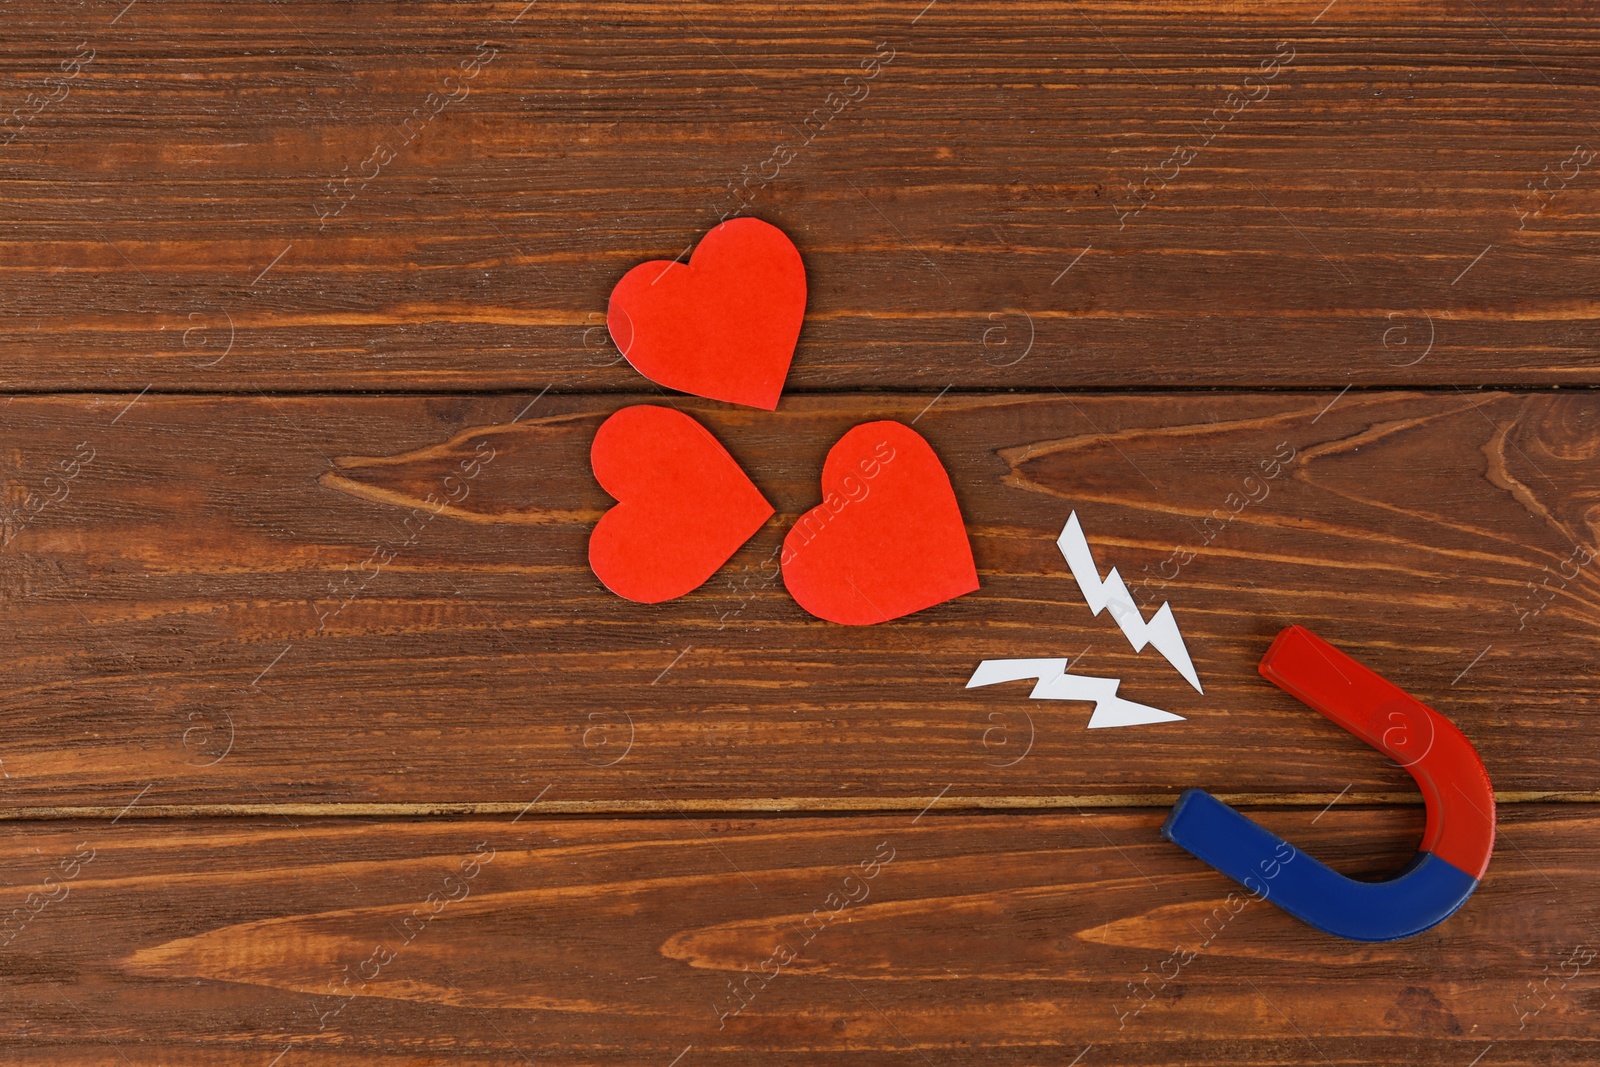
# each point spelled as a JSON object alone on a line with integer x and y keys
{"x": 1162, "y": 629}
{"x": 1054, "y": 683}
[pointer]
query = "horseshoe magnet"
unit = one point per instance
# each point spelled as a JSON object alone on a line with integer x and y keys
{"x": 1455, "y": 846}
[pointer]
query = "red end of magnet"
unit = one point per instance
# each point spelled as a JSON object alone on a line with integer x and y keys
{"x": 1454, "y": 782}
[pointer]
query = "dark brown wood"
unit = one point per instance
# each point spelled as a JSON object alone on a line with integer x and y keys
{"x": 217, "y": 572}
{"x": 230, "y": 201}
{"x": 985, "y": 940}
{"x": 276, "y": 273}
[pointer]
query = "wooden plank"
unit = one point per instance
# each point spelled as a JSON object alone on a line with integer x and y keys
{"x": 227, "y": 606}
{"x": 965, "y": 939}
{"x": 283, "y": 196}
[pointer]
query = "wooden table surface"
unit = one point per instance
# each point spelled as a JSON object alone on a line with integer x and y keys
{"x": 271, "y": 271}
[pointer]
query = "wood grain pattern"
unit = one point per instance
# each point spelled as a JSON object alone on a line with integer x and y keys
{"x": 323, "y": 745}
{"x": 986, "y": 940}
{"x": 285, "y": 197}
{"x": 209, "y": 609}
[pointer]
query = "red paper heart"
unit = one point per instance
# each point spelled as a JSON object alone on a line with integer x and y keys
{"x": 723, "y": 326}
{"x": 887, "y": 538}
{"x": 683, "y": 504}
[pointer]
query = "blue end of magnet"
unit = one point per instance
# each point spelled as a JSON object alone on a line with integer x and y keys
{"x": 1424, "y": 894}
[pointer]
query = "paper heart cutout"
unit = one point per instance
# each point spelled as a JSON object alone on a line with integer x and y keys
{"x": 684, "y": 505}
{"x": 887, "y": 539}
{"x": 722, "y": 326}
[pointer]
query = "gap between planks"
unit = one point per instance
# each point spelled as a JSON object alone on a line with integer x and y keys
{"x": 367, "y": 392}
{"x": 939, "y": 805}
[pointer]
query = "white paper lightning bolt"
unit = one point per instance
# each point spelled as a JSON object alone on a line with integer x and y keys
{"x": 1162, "y": 629}
{"x": 1056, "y": 684}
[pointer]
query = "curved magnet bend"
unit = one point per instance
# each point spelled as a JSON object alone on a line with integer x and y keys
{"x": 1455, "y": 785}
